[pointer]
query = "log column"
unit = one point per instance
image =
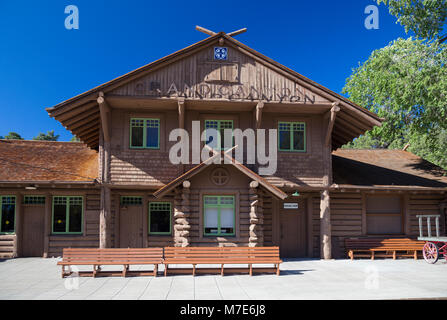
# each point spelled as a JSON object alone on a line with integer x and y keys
{"x": 325, "y": 225}
{"x": 181, "y": 214}
{"x": 256, "y": 216}
{"x": 104, "y": 176}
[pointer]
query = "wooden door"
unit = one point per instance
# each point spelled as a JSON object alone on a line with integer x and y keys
{"x": 131, "y": 227}
{"x": 293, "y": 231}
{"x": 33, "y": 231}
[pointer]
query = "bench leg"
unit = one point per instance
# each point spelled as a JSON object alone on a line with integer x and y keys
{"x": 351, "y": 254}
{"x": 94, "y": 271}
{"x": 415, "y": 254}
{"x": 394, "y": 255}
{"x": 193, "y": 270}
{"x": 125, "y": 268}
{"x": 63, "y": 271}
{"x": 155, "y": 269}
{"x": 166, "y": 269}
{"x": 251, "y": 270}
{"x": 277, "y": 270}
{"x": 372, "y": 255}
{"x": 222, "y": 270}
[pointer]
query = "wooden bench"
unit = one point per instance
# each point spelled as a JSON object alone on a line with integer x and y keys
{"x": 109, "y": 257}
{"x": 383, "y": 247}
{"x": 222, "y": 256}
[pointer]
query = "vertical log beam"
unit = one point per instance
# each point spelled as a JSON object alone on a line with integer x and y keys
{"x": 325, "y": 225}
{"x": 47, "y": 224}
{"x": 105, "y": 137}
{"x": 181, "y": 213}
{"x": 17, "y": 252}
{"x": 335, "y": 108}
{"x": 181, "y": 125}
{"x": 258, "y": 114}
{"x": 256, "y": 233}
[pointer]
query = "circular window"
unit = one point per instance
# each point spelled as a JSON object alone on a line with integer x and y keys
{"x": 220, "y": 176}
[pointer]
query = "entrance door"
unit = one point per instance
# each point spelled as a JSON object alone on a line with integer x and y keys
{"x": 131, "y": 226}
{"x": 33, "y": 231}
{"x": 293, "y": 231}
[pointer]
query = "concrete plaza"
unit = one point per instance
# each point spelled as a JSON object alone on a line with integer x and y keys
{"x": 36, "y": 278}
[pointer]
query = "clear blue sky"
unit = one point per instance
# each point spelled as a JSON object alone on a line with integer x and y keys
{"x": 42, "y": 63}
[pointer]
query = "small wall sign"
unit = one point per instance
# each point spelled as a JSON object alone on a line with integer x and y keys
{"x": 290, "y": 205}
{"x": 220, "y": 53}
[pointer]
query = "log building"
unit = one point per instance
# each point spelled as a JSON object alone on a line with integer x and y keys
{"x": 117, "y": 187}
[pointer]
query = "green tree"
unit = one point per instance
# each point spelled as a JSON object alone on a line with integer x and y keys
{"x": 406, "y": 83}
{"x": 49, "y": 136}
{"x": 75, "y": 139}
{"x": 426, "y": 18}
{"x": 13, "y": 136}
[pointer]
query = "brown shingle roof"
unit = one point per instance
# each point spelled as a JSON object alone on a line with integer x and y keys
{"x": 22, "y": 160}
{"x": 383, "y": 167}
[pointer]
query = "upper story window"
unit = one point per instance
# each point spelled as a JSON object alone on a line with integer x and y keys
{"x": 7, "y": 214}
{"x": 145, "y": 133}
{"x": 67, "y": 214}
{"x": 219, "y": 126}
{"x": 292, "y": 136}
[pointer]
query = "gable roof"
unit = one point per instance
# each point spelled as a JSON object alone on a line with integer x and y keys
{"x": 80, "y": 114}
{"x": 385, "y": 168}
{"x": 201, "y": 166}
{"x": 47, "y": 161}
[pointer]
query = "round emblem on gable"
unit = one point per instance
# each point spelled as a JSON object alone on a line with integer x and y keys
{"x": 220, "y": 176}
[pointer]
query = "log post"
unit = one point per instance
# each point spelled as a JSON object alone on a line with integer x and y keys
{"x": 104, "y": 176}
{"x": 181, "y": 214}
{"x": 18, "y": 225}
{"x": 256, "y": 234}
{"x": 47, "y": 224}
{"x": 325, "y": 225}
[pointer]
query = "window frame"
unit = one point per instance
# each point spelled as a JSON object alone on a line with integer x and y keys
{"x": 67, "y": 216}
{"x": 291, "y": 123}
{"x": 144, "y": 146}
{"x": 219, "y": 206}
{"x": 1, "y": 213}
{"x": 30, "y": 196}
{"x": 219, "y": 143}
{"x": 149, "y": 219}
{"x": 401, "y": 214}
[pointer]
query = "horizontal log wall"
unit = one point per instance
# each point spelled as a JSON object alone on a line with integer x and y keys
{"x": 425, "y": 204}
{"x": 346, "y": 220}
{"x": 8, "y": 244}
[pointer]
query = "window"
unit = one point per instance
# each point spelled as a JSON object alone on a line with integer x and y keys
{"x": 145, "y": 133}
{"x": 33, "y": 200}
{"x": 160, "y": 218}
{"x": 383, "y": 215}
{"x": 219, "y": 215}
{"x": 219, "y": 126}
{"x": 7, "y": 214}
{"x": 292, "y": 136}
{"x": 131, "y": 201}
{"x": 67, "y": 214}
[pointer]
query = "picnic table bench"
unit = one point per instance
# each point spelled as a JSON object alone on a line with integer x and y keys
{"x": 111, "y": 257}
{"x": 383, "y": 247}
{"x": 222, "y": 256}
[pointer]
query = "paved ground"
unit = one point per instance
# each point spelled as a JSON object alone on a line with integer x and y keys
{"x": 34, "y": 278}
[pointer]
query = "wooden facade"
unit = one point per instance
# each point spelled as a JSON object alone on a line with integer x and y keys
{"x": 307, "y": 207}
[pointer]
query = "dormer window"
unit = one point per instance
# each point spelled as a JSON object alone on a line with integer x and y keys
{"x": 144, "y": 133}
